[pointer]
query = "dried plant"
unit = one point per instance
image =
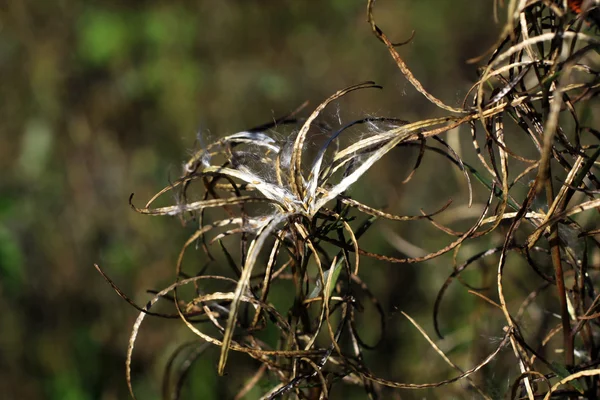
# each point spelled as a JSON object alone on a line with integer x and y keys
{"x": 295, "y": 222}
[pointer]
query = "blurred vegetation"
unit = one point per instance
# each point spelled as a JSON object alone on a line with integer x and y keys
{"x": 101, "y": 99}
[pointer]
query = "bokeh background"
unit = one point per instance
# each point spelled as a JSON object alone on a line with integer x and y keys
{"x": 100, "y": 99}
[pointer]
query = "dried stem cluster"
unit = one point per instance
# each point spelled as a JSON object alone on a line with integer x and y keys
{"x": 291, "y": 215}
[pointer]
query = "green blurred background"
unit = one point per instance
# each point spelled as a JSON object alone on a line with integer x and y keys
{"x": 104, "y": 98}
